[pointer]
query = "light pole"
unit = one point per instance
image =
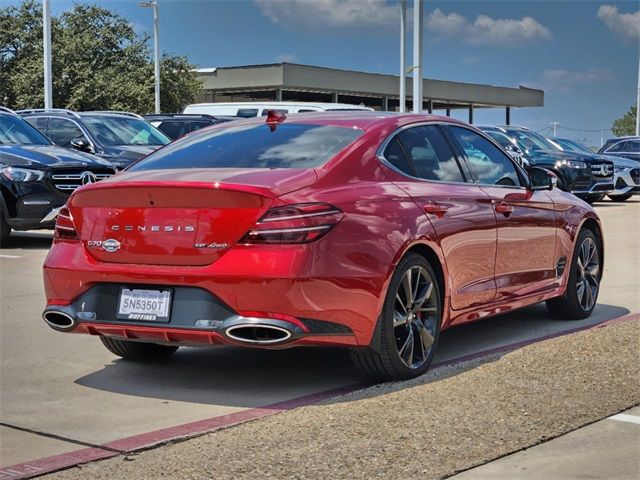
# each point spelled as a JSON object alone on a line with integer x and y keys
{"x": 156, "y": 50}
{"x": 403, "y": 66}
{"x": 417, "y": 56}
{"x": 638, "y": 100}
{"x": 46, "y": 48}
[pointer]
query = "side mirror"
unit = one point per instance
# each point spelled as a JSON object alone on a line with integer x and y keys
{"x": 81, "y": 144}
{"x": 542, "y": 179}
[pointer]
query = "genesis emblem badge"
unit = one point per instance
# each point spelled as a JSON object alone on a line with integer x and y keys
{"x": 111, "y": 245}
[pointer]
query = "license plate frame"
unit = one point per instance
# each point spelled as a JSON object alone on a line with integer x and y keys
{"x": 160, "y": 314}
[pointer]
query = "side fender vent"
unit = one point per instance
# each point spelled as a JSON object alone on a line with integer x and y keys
{"x": 562, "y": 263}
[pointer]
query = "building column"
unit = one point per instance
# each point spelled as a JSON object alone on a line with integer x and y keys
{"x": 334, "y": 97}
{"x": 471, "y": 114}
{"x": 448, "y": 112}
{"x": 278, "y": 94}
{"x": 430, "y": 106}
{"x": 385, "y": 104}
{"x": 507, "y": 113}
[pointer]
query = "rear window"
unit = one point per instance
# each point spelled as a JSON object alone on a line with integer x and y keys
{"x": 253, "y": 146}
{"x": 247, "y": 112}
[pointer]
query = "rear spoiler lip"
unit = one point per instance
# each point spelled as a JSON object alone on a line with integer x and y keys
{"x": 234, "y": 187}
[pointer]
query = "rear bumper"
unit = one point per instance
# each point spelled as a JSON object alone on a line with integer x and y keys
{"x": 197, "y": 317}
{"x": 329, "y": 308}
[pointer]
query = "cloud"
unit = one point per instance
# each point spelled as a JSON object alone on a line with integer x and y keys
{"x": 334, "y": 13}
{"x": 286, "y": 58}
{"x": 625, "y": 24}
{"x": 561, "y": 80}
{"x": 487, "y": 30}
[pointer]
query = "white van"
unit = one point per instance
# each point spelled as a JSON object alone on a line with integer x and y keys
{"x": 255, "y": 109}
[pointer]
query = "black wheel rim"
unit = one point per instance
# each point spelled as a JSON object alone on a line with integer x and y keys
{"x": 588, "y": 278}
{"x": 415, "y": 317}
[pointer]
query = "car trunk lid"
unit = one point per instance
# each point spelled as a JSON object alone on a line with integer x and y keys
{"x": 175, "y": 217}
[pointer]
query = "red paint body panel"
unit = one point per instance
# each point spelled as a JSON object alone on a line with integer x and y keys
{"x": 491, "y": 261}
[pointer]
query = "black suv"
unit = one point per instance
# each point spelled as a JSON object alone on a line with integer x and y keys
{"x": 120, "y": 137}
{"x": 176, "y": 125}
{"x": 36, "y": 176}
{"x": 587, "y": 176}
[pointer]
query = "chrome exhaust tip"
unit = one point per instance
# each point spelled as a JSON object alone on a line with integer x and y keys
{"x": 59, "y": 320}
{"x": 257, "y": 334}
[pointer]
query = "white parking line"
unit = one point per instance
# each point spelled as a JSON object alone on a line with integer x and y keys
{"x": 10, "y": 256}
{"x": 624, "y": 417}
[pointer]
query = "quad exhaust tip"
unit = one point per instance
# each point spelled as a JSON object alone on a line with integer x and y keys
{"x": 258, "y": 334}
{"x": 59, "y": 320}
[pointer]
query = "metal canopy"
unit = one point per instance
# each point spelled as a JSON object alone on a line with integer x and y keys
{"x": 289, "y": 76}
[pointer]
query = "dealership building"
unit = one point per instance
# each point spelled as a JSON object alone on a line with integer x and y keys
{"x": 306, "y": 83}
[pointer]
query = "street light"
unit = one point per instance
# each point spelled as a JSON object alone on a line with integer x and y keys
{"x": 156, "y": 49}
{"x": 46, "y": 50}
{"x": 417, "y": 56}
{"x": 403, "y": 66}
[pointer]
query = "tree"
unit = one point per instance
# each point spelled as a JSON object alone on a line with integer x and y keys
{"x": 627, "y": 124}
{"x": 98, "y": 63}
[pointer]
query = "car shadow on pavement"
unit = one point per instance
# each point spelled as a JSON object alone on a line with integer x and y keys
{"x": 249, "y": 378}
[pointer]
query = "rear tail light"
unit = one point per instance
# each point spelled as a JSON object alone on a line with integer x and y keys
{"x": 64, "y": 229}
{"x": 294, "y": 224}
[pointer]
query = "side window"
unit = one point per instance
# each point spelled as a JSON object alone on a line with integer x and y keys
{"x": 41, "y": 123}
{"x": 396, "y": 157}
{"x": 62, "y": 131}
{"x": 487, "y": 163}
{"x": 247, "y": 112}
{"x": 430, "y": 155}
{"x": 171, "y": 129}
{"x": 617, "y": 147}
{"x": 632, "y": 146}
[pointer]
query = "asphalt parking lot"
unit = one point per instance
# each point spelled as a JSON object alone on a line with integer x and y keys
{"x": 63, "y": 394}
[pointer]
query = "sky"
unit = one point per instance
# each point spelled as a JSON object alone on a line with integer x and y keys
{"x": 583, "y": 54}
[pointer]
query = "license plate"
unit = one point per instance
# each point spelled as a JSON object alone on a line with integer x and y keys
{"x": 146, "y": 305}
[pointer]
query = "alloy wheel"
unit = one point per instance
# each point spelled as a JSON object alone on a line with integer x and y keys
{"x": 415, "y": 317}
{"x": 588, "y": 278}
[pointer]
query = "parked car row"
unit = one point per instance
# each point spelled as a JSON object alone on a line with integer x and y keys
{"x": 119, "y": 137}
{"x": 45, "y": 154}
{"x": 626, "y": 172}
{"x": 587, "y": 174}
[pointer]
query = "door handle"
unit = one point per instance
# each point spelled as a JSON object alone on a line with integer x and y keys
{"x": 436, "y": 209}
{"x": 504, "y": 208}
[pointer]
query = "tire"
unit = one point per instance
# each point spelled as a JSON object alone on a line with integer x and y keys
{"x": 5, "y": 231}
{"x": 398, "y": 356}
{"x": 138, "y": 351}
{"x": 572, "y": 305}
{"x": 591, "y": 199}
{"x": 620, "y": 198}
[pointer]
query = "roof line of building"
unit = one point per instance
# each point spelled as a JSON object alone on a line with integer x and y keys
{"x": 348, "y": 70}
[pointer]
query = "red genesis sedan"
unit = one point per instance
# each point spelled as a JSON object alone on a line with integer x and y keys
{"x": 365, "y": 230}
